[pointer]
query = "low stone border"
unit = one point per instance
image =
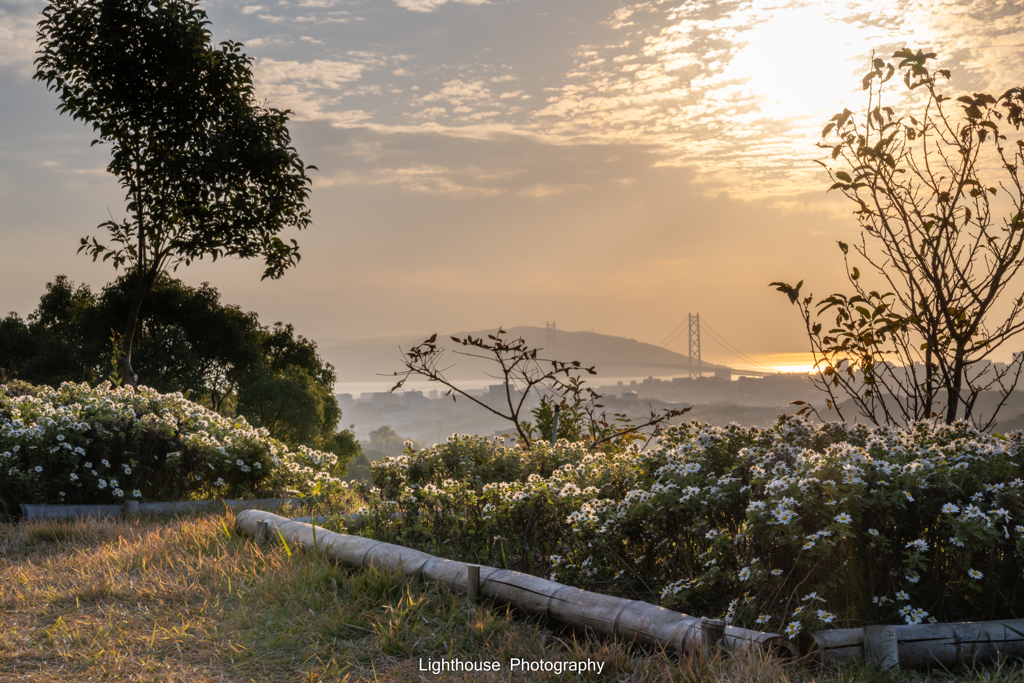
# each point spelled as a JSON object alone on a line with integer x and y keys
{"x": 629, "y": 620}
{"x": 131, "y": 507}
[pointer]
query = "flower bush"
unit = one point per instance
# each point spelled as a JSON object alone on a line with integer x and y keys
{"x": 79, "y": 444}
{"x": 798, "y": 527}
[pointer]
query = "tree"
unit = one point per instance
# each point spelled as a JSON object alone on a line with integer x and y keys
{"x": 929, "y": 210}
{"x": 523, "y": 372}
{"x": 53, "y": 346}
{"x": 206, "y": 170}
{"x": 292, "y": 392}
{"x": 384, "y": 441}
{"x": 187, "y": 341}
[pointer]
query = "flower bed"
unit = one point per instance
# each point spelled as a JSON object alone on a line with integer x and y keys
{"x": 795, "y": 528}
{"x": 84, "y": 445}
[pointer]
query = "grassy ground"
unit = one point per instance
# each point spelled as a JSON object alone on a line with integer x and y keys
{"x": 188, "y": 600}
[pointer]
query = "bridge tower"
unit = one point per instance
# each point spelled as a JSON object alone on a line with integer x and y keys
{"x": 694, "y": 343}
{"x": 551, "y": 339}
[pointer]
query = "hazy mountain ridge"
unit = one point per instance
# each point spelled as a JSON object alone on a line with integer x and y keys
{"x": 375, "y": 359}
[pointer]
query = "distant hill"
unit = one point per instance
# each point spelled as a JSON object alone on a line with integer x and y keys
{"x": 365, "y": 360}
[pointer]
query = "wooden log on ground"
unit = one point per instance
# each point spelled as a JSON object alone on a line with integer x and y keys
{"x": 630, "y": 620}
{"x": 919, "y": 645}
{"x": 473, "y": 577}
{"x": 927, "y": 644}
{"x": 834, "y": 645}
{"x": 881, "y": 646}
{"x": 713, "y": 631}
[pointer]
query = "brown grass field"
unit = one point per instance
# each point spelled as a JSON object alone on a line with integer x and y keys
{"x": 187, "y": 600}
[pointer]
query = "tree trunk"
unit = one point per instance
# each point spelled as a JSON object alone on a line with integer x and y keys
{"x": 953, "y": 386}
{"x": 144, "y": 287}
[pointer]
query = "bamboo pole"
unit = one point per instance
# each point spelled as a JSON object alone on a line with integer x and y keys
{"x": 629, "y": 620}
{"x": 918, "y": 645}
{"x": 474, "y": 582}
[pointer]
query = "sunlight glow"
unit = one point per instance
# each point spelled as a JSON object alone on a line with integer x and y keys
{"x": 797, "y": 61}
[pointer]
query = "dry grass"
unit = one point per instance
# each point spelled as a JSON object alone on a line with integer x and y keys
{"x": 188, "y": 600}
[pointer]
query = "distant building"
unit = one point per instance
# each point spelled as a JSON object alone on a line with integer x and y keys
{"x": 414, "y": 398}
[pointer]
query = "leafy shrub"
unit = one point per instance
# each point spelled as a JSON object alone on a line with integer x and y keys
{"x": 78, "y": 444}
{"x": 796, "y": 527}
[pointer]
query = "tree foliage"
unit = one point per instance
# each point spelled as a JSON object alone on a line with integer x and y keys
{"x": 189, "y": 342}
{"x": 941, "y": 210}
{"x": 207, "y": 171}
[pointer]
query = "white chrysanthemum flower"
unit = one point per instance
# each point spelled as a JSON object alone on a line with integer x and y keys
{"x": 974, "y": 574}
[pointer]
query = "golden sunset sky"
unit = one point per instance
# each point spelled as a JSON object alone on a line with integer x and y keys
{"x": 605, "y": 165}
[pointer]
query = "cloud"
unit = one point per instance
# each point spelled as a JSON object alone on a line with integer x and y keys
{"x": 428, "y": 114}
{"x": 18, "y": 34}
{"x": 542, "y": 190}
{"x": 269, "y": 41}
{"x": 619, "y": 18}
{"x": 315, "y": 90}
{"x": 418, "y": 178}
{"x": 319, "y": 73}
{"x": 460, "y": 93}
{"x": 252, "y": 9}
{"x": 431, "y": 5}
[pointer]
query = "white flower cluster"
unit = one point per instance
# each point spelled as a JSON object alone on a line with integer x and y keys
{"x": 49, "y": 437}
{"x": 712, "y": 512}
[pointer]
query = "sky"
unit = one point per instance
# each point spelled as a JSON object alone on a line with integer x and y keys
{"x": 608, "y": 166}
